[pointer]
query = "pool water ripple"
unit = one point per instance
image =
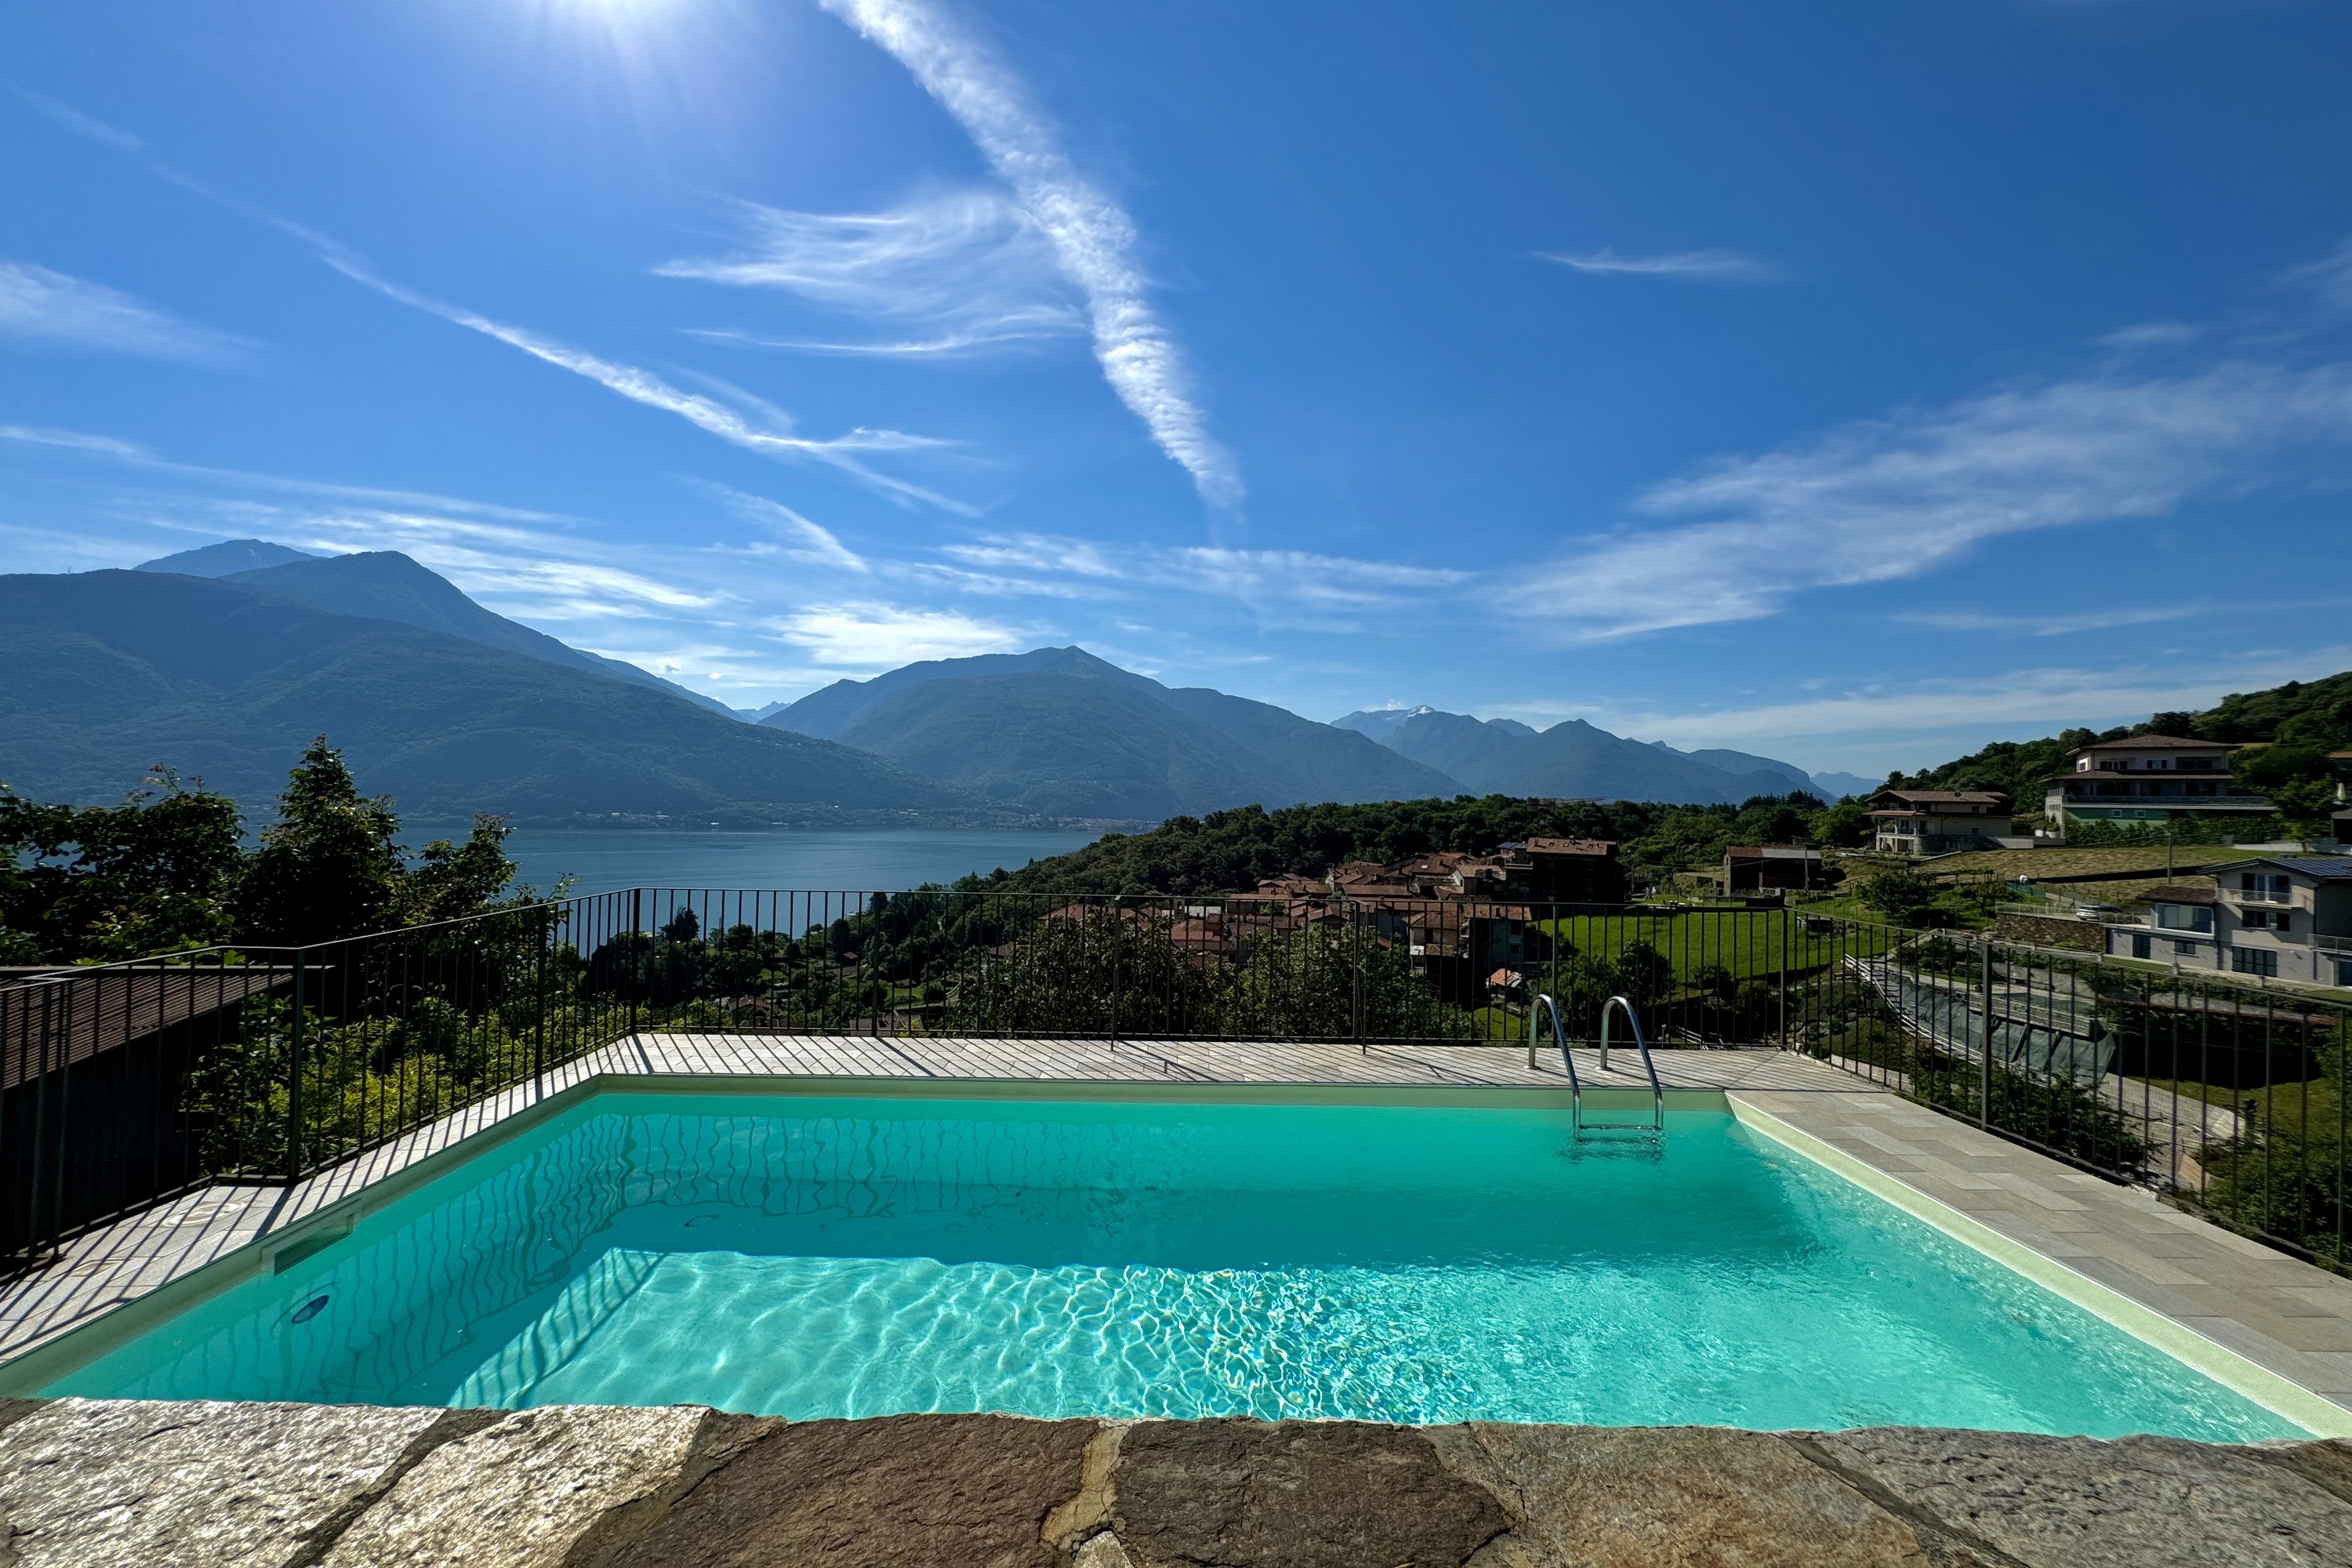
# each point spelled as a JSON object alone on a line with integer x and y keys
{"x": 864, "y": 1258}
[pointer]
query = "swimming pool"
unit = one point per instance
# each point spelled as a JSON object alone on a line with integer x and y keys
{"x": 862, "y": 1257}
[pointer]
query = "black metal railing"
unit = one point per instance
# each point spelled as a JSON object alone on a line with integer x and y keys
{"x": 2227, "y": 1096}
{"x": 127, "y": 1084}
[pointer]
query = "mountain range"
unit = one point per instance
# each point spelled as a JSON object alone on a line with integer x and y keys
{"x": 386, "y": 585}
{"x": 1060, "y": 732}
{"x": 224, "y": 661}
{"x": 104, "y": 674}
{"x": 1576, "y": 760}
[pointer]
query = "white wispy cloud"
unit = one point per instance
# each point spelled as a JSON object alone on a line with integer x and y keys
{"x": 963, "y": 581}
{"x": 134, "y": 454}
{"x": 74, "y": 120}
{"x": 1281, "y": 581}
{"x": 876, "y": 635}
{"x": 1897, "y": 497}
{"x": 2052, "y": 625}
{"x": 771, "y": 435}
{"x": 2152, "y": 335}
{"x": 1036, "y": 553}
{"x": 2053, "y": 697}
{"x": 76, "y": 441}
{"x": 38, "y": 305}
{"x": 1694, "y": 266}
{"x": 970, "y": 267}
{"x": 2331, "y": 275}
{"x": 1093, "y": 239}
{"x": 803, "y": 541}
{"x": 896, "y": 348}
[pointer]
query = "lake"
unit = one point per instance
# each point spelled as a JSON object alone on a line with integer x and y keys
{"x": 880, "y": 859}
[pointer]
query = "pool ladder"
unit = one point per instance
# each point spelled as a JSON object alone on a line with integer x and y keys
{"x": 1609, "y": 1010}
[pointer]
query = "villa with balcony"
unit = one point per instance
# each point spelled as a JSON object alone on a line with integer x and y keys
{"x": 2154, "y": 779}
{"x": 1936, "y": 821}
{"x": 2280, "y": 917}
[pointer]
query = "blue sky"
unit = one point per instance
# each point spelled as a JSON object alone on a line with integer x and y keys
{"x": 1850, "y": 382}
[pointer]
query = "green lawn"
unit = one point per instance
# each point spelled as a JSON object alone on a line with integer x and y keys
{"x": 1746, "y": 942}
{"x": 2290, "y": 1107}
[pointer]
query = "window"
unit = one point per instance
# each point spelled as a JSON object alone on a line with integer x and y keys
{"x": 2185, "y": 949}
{"x": 2253, "y": 961}
{"x": 2183, "y": 917}
{"x": 2143, "y": 946}
{"x": 2343, "y": 971}
{"x": 2262, "y": 886}
{"x": 2265, "y": 920}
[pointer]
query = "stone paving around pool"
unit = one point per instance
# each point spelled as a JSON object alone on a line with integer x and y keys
{"x": 126, "y": 1484}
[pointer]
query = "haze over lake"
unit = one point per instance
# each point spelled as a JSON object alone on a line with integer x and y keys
{"x": 859, "y": 861}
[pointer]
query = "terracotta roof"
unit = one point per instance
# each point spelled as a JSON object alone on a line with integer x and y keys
{"x": 2155, "y": 743}
{"x": 1946, "y": 796}
{"x": 1571, "y": 847}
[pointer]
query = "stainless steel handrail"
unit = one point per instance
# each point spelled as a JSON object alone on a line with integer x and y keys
{"x": 1560, "y": 1034}
{"x": 1657, "y": 1089}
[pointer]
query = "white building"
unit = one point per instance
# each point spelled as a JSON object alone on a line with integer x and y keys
{"x": 2280, "y": 917}
{"x": 2154, "y": 779}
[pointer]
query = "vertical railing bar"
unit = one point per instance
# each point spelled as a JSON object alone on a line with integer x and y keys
{"x": 294, "y": 1077}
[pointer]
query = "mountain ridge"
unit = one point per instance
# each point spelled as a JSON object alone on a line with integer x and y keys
{"x": 230, "y": 555}
{"x": 1058, "y": 729}
{"x": 385, "y": 584}
{"x": 105, "y": 674}
{"x": 1576, "y": 759}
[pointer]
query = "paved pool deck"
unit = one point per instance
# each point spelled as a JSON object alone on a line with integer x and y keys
{"x": 2268, "y": 1324}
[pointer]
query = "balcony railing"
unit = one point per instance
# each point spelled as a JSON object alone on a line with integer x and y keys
{"x": 128, "y": 1084}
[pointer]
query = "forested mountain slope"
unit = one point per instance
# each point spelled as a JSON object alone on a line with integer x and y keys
{"x": 105, "y": 674}
{"x": 1058, "y": 730}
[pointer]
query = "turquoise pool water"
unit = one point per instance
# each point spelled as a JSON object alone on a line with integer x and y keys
{"x": 867, "y": 1256}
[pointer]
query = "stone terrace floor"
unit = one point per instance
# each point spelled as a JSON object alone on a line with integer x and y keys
{"x": 2282, "y": 1314}
{"x": 118, "y": 1484}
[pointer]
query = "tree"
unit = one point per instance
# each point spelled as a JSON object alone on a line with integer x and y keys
{"x": 151, "y": 874}
{"x": 1086, "y": 971}
{"x": 2298, "y": 779}
{"x": 1845, "y": 825}
{"x": 329, "y": 867}
{"x": 1902, "y": 896}
{"x": 1644, "y": 974}
{"x": 331, "y": 864}
{"x": 451, "y": 880}
{"x": 1320, "y": 983}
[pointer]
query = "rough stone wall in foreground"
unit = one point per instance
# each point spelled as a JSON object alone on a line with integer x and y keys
{"x": 95, "y": 1484}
